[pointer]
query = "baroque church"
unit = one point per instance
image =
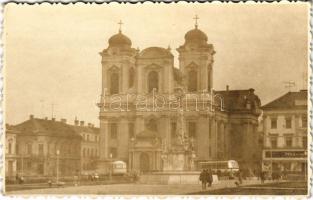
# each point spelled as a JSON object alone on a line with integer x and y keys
{"x": 158, "y": 140}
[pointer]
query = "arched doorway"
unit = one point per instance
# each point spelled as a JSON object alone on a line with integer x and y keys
{"x": 153, "y": 81}
{"x": 144, "y": 162}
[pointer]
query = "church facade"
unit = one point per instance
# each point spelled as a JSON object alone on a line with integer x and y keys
{"x": 158, "y": 117}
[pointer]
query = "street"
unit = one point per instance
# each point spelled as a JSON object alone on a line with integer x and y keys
{"x": 227, "y": 188}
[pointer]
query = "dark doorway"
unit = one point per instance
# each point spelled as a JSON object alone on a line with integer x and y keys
{"x": 144, "y": 162}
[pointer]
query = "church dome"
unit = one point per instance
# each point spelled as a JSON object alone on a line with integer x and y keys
{"x": 119, "y": 40}
{"x": 155, "y": 52}
{"x": 195, "y": 35}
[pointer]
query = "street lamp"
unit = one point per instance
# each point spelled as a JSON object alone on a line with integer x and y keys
{"x": 57, "y": 178}
{"x": 111, "y": 166}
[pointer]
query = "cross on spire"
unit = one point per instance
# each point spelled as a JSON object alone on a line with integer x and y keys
{"x": 120, "y": 23}
{"x": 196, "y": 20}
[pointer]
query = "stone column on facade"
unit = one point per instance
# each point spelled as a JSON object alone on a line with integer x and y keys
{"x": 139, "y": 124}
{"x": 205, "y": 77}
{"x": 222, "y": 139}
{"x": 140, "y": 83}
{"x": 104, "y": 131}
{"x": 123, "y": 138}
{"x": 213, "y": 138}
{"x": 104, "y": 79}
{"x": 166, "y": 129}
{"x": 227, "y": 140}
{"x": 124, "y": 77}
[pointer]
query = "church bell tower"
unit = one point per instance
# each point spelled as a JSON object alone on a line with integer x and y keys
{"x": 196, "y": 61}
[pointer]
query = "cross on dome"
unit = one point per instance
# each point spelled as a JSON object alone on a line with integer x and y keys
{"x": 196, "y": 21}
{"x": 120, "y": 23}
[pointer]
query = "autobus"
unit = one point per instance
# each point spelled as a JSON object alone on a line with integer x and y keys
{"x": 119, "y": 168}
{"x": 226, "y": 168}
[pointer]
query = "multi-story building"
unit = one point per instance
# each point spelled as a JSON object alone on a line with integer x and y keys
{"x": 135, "y": 129}
{"x": 45, "y": 146}
{"x": 10, "y": 152}
{"x": 89, "y": 145}
{"x": 285, "y": 134}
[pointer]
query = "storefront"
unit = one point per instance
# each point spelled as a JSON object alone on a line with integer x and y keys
{"x": 285, "y": 162}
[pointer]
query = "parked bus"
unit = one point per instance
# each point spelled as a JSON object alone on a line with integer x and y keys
{"x": 222, "y": 168}
{"x": 119, "y": 168}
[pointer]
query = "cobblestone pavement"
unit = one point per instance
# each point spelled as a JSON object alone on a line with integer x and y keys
{"x": 130, "y": 189}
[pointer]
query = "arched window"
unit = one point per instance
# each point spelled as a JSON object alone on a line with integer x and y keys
{"x": 114, "y": 83}
{"x": 153, "y": 81}
{"x": 131, "y": 77}
{"x": 192, "y": 81}
{"x": 152, "y": 125}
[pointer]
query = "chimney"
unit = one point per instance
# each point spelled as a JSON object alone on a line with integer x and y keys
{"x": 76, "y": 122}
{"x": 63, "y": 120}
{"x": 227, "y": 88}
{"x": 82, "y": 123}
{"x": 31, "y": 116}
{"x": 46, "y": 118}
{"x": 53, "y": 119}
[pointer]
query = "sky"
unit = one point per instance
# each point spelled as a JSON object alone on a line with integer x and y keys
{"x": 52, "y": 51}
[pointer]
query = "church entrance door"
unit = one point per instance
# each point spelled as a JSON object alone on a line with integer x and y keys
{"x": 144, "y": 162}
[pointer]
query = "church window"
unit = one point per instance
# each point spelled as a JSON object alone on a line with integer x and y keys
{"x": 131, "y": 130}
{"x": 192, "y": 129}
{"x": 304, "y": 141}
{"x": 273, "y": 123}
{"x": 192, "y": 81}
{"x": 131, "y": 78}
{"x": 40, "y": 149}
{"x": 288, "y": 141}
{"x": 288, "y": 122}
{"x": 173, "y": 129}
{"x": 113, "y": 131}
{"x": 113, "y": 152}
{"x": 304, "y": 120}
{"x": 10, "y": 147}
{"x": 153, "y": 81}
{"x": 152, "y": 125}
{"x": 29, "y": 149}
{"x": 114, "y": 83}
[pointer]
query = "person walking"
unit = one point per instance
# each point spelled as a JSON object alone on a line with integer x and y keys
{"x": 262, "y": 176}
{"x": 210, "y": 178}
{"x": 202, "y": 178}
{"x": 240, "y": 177}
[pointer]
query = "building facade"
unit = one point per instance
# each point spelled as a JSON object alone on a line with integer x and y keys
{"x": 10, "y": 152}
{"x": 89, "y": 153}
{"x": 285, "y": 134}
{"x": 158, "y": 117}
{"x": 44, "y": 146}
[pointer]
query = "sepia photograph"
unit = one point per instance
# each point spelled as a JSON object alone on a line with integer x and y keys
{"x": 187, "y": 99}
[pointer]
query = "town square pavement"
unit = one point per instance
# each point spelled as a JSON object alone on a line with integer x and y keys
{"x": 130, "y": 189}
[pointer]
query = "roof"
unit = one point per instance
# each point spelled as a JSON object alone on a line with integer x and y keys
{"x": 120, "y": 40}
{"x": 35, "y": 126}
{"x": 85, "y": 129}
{"x": 156, "y": 52}
{"x": 289, "y": 101}
{"x": 236, "y": 100}
{"x": 195, "y": 35}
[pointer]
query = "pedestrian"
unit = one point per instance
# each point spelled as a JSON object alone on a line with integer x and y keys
{"x": 240, "y": 177}
{"x": 202, "y": 178}
{"x": 210, "y": 178}
{"x": 262, "y": 176}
